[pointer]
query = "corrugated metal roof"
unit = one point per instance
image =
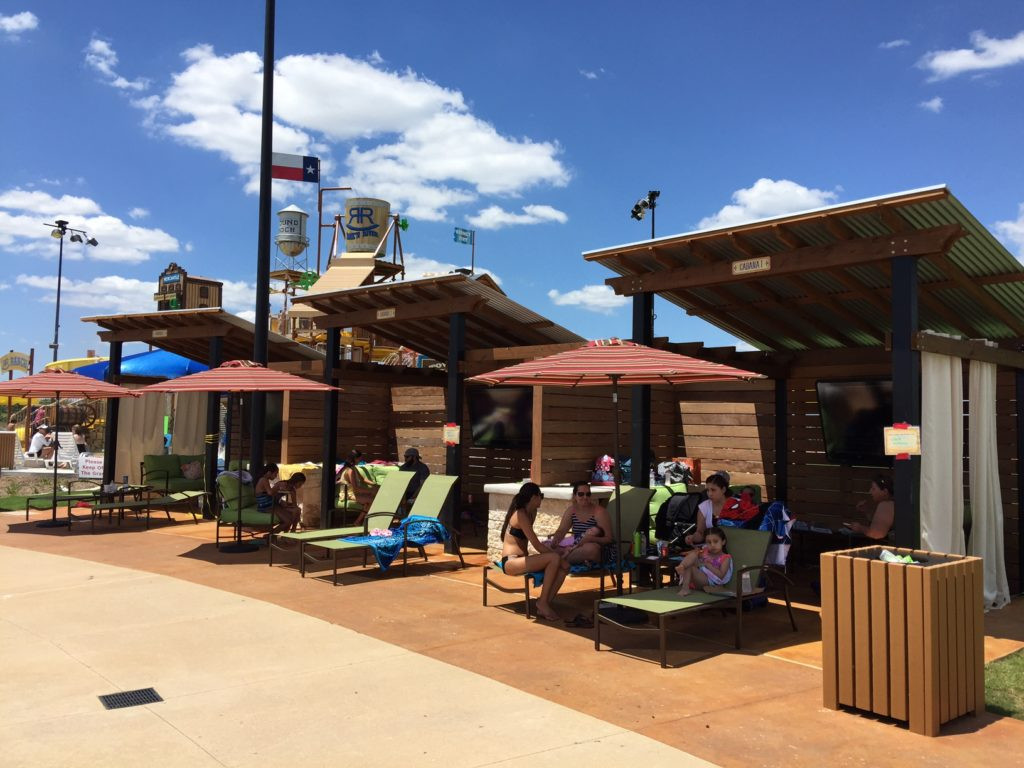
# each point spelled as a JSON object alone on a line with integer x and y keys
{"x": 236, "y": 334}
{"x": 497, "y": 320}
{"x": 975, "y": 288}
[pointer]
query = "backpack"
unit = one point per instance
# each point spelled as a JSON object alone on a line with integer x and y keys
{"x": 676, "y": 514}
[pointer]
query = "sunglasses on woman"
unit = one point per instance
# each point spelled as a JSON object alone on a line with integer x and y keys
{"x": 581, "y": 494}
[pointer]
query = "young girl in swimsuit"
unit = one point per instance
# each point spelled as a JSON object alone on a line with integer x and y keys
{"x": 516, "y": 533}
{"x": 709, "y": 566}
{"x": 264, "y": 491}
{"x": 589, "y": 523}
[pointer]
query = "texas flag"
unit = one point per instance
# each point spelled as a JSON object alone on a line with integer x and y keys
{"x": 295, "y": 167}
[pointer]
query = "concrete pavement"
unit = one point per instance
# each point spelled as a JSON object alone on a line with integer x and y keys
{"x": 246, "y": 682}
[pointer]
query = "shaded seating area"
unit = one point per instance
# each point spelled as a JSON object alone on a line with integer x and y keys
{"x": 238, "y": 506}
{"x": 749, "y": 550}
{"x": 190, "y": 501}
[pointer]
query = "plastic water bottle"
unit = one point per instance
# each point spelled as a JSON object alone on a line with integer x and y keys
{"x": 638, "y": 543}
{"x": 745, "y": 581}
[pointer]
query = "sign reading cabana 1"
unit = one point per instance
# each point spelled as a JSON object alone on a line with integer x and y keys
{"x": 750, "y": 266}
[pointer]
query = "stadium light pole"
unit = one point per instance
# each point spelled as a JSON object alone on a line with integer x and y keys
{"x": 59, "y": 229}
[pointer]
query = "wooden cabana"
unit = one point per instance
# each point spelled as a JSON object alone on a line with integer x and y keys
{"x": 841, "y": 291}
{"x": 442, "y": 317}
{"x": 206, "y": 335}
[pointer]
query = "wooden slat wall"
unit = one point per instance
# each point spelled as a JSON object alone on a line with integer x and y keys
{"x": 363, "y": 423}
{"x": 731, "y": 426}
{"x": 418, "y": 415}
{"x": 577, "y": 426}
{"x": 1009, "y": 473}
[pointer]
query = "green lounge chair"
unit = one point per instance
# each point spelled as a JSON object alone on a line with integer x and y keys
{"x": 385, "y": 508}
{"x": 429, "y": 502}
{"x": 238, "y": 506}
{"x": 748, "y": 549}
{"x": 192, "y": 500}
{"x": 634, "y": 504}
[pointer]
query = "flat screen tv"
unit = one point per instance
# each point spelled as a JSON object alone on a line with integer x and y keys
{"x": 853, "y": 414}
{"x": 501, "y": 417}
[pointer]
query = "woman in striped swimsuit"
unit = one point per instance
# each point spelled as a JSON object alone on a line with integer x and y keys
{"x": 590, "y": 524}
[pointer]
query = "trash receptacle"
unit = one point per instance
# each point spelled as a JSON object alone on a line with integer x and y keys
{"x": 902, "y": 640}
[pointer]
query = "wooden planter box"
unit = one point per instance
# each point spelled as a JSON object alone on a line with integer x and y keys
{"x": 903, "y": 641}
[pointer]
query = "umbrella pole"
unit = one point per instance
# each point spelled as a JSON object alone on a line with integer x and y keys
{"x": 618, "y": 490}
{"x": 237, "y": 546}
{"x": 53, "y": 522}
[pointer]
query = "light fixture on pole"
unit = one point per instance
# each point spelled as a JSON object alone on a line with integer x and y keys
{"x": 644, "y": 203}
{"x": 61, "y": 228}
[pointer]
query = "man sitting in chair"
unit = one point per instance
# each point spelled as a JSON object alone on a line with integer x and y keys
{"x": 413, "y": 463}
{"x": 40, "y": 440}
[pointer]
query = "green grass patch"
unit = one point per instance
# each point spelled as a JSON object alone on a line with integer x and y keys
{"x": 17, "y": 503}
{"x": 1004, "y": 686}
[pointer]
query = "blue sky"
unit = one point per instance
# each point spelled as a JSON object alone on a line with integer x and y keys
{"x": 537, "y": 124}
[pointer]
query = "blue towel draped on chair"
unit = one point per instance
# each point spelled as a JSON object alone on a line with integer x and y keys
{"x": 415, "y": 529}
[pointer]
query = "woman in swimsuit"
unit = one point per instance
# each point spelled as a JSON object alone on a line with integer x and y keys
{"x": 589, "y": 523}
{"x": 516, "y": 533}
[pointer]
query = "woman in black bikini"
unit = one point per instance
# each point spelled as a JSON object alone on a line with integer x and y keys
{"x": 516, "y": 533}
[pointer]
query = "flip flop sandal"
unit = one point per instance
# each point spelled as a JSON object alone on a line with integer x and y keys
{"x": 580, "y": 622}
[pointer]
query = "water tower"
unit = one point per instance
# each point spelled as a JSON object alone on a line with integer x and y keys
{"x": 291, "y": 259}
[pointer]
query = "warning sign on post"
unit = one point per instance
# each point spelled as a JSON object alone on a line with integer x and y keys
{"x": 451, "y": 434}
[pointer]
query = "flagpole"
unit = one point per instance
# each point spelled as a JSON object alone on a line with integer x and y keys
{"x": 472, "y": 254}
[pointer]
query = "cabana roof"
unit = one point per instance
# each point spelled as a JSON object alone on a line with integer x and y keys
{"x": 821, "y": 279}
{"x": 188, "y": 332}
{"x": 414, "y": 314}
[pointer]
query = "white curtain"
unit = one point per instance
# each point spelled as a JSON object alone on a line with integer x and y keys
{"x": 140, "y": 430}
{"x": 986, "y": 498}
{"x": 189, "y": 423}
{"x": 942, "y": 454}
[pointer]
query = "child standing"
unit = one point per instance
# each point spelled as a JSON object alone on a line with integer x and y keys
{"x": 710, "y": 565}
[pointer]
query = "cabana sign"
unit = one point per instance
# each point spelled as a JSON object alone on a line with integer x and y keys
{"x": 15, "y": 361}
{"x": 749, "y": 266}
{"x": 902, "y": 440}
{"x": 388, "y": 313}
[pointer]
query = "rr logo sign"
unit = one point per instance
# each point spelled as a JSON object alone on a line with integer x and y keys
{"x": 361, "y": 223}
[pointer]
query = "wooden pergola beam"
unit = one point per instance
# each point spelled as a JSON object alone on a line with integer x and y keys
{"x": 968, "y": 349}
{"x": 148, "y": 334}
{"x": 843, "y": 254}
{"x": 398, "y": 313}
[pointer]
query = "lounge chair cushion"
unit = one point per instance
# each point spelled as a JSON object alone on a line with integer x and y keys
{"x": 161, "y": 463}
{"x": 235, "y": 493}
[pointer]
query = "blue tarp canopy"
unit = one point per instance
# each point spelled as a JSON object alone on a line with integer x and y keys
{"x": 158, "y": 364}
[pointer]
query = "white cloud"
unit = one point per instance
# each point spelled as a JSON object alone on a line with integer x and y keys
{"x": 249, "y": 314}
{"x": 1012, "y": 232}
{"x": 496, "y": 217}
{"x": 189, "y": 247}
{"x": 15, "y": 24}
{"x": 110, "y": 294}
{"x": 593, "y": 298}
{"x": 5, "y": 286}
{"x": 986, "y": 53}
{"x": 767, "y": 198}
{"x": 138, "y": 213}
{"x": 21, "y": 230}
{"x": 417, "y": 267}
{"x": 890, "y": 44}
{"x": 589, "y": 74}
{"x": 406, "y": 138}
{"x": 101, "y": 56}
{"x": 375, "y": 58}
{"x": 932, "y": 105}
{"x": 44, "y": 204}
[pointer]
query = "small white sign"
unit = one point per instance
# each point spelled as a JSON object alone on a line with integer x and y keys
{"x": 386, "y": 314}
{"x": 902, "y": 441}
{"x": 748, "y": 266}
{"x": 90, "y": 465}
{"x": 159, "y": 333}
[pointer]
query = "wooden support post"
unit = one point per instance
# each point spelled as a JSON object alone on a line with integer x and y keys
{"x": 212, "y": 429}
{"x": 330, "y": 433}
{"x": 906, "y": 397}
{"x": 1019, "y": 379}
{"x": 781, "y": 440}
{"x": 453, "y": 410}
{"x": 640, "y": 396}
{"x": 113, "y": 405}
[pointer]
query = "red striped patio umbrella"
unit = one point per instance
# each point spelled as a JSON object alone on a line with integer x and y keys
{"x": 59, "y": 383}
{"x": 235, "y": 377}
{"x": 610, "y": 362}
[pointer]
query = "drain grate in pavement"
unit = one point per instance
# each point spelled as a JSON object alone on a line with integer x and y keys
{"x": 130, "y": 698}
